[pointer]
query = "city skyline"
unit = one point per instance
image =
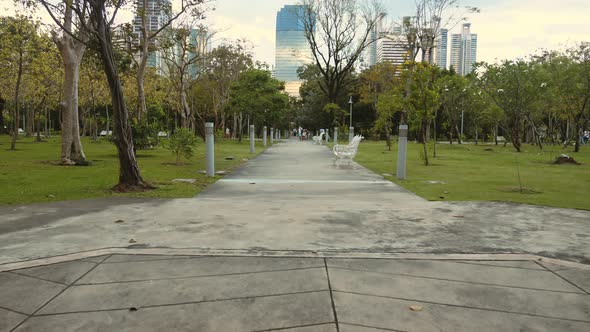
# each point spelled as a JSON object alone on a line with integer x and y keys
{"x": 507, "y": 29}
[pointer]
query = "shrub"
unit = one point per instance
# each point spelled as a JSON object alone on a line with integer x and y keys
{"x": 182, "y": 143}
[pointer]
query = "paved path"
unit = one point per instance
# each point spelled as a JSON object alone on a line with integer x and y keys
{"x": 181, "y": 293}
{"x": 292, "y": 198}
{"x": 293, "y": 203}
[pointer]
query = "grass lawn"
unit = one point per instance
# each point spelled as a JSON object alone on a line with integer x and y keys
{"x": 30, "y": 173}
{"x": 470, "y": 173}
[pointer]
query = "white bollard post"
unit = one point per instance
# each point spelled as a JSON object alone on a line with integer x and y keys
{"x": 252, "y": 146}
{"x": 335, "y": 135}
{"x": 264, "y": 129}
{"x": 210, "y": 142}
{"x": 402, "y": 152}
{"x": 272, "y": 135}
{"x": 350, "y": 134}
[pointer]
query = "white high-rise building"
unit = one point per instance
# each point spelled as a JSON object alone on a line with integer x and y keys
{"x": 464, "y": 50}
{"x": 392, "y": 48}
{"x": 156, "y": 16}
{"x": 441, "y": 45}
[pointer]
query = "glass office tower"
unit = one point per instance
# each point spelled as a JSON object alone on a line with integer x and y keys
{"x": 292, "y": 48}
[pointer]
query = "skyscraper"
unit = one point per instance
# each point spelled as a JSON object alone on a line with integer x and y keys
{"x": 292, "y": 48}
{"x": 441, "y": 44}
{"x": 464, "y": 50}
{"x": 156, "y": 16}
{"x": 392, "y": 48}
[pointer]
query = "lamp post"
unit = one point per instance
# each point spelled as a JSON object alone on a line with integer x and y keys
{"x": 351, "y": 129}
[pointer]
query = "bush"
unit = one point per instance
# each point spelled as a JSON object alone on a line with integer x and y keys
{"x": 145, "y": 135}
{"x": 182, "y": 143}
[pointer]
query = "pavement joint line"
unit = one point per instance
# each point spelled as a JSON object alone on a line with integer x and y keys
{"x": 501, "y": 266}
{"x": 182, "y": 303}
{"x": 28, "y": 276}
{"x": 461, "y": 306}
{"x": 15, "y": 311}
{"x": 348, "y": 254}
{"x": 373, "y": 327}
{"x": 563, "y": 268}
{"x": 197, "y": 276}
{"x": 287, "y": 181}
{"x": 461, "y": 281}
{"x": 58, "y": 294}
{"x": 293, "y": 327}
{"x": 564, "y": 278}
{"x": 335, "y": 312}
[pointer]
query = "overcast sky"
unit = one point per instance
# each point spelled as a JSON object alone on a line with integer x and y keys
{"x": 505, "y": 28}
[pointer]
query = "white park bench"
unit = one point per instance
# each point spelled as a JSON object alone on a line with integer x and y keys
{"x": 318, "y": 139}
{"x": 347, "y": 151}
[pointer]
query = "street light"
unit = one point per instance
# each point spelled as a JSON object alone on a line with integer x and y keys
{"x": 351, "y": 129}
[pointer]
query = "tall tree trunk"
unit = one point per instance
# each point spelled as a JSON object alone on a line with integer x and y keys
{"x": 476, "y": 135}
{"x": 235, "y": 128}
{"x": 129, "y": 174}
{"x": 2, "y": 104}
{"x": 186, "y": 111}
{"x": 143, "y": 58}
{"x": 19, "y": 77}
{"x": 434, "y": 132}
{"x": 72, "y": 52}
{"x": 71, "y": 146}
{"x": 459, "y": 138}
{"x": 240, "y": 120}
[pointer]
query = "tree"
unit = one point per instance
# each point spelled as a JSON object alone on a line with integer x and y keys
{"x": 224, "y": 65}
{"x": 453, "y": 101}
{"x": 260, "y": 96}
{"x": 184, "y": 59}
{"x": 20, "y": 46}
{"x": 94, "y": 29}
{"x": 148, "y": 36}
{"x": 182, "y": 143}
{"x": 375, "y": 81}
{"x": 423, "y": 100}
{"x": 338, "y": 31}
{"x": 570, "y": 84}
{"x": 515, "y": 87}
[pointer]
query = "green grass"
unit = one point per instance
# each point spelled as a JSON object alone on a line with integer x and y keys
{"x": 30, "y": 173}
{"x": 470, "y": 173}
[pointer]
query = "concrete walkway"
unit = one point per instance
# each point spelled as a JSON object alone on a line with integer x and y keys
{"x": 291, "y": 198}
{"x": 471, "y": 269}
{"x": 182, "y": 293}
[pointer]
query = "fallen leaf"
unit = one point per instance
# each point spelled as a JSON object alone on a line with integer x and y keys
{"x": 416, "y": 308}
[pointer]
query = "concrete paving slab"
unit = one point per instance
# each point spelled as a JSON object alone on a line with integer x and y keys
{"x": 345, "y": 209}
{"x": 553, "y": 267}
{"x": 517, "y": 300}
{"x": 252, "y": 314}
{"x": 395, "y": 314}
{"x": 63, "y": 273}
{"x": 513, "y": 264}
{"x": 9, "y": 319}
{"x": 173, "y": 291}
{"x": 25, "y": 294}
{"x": 578, "y": 277}
{"x": 193, "y": 267}
{"x": 356, "y": 328}
{"x": 484, "y": 274}
{"x": 142, "y": 258}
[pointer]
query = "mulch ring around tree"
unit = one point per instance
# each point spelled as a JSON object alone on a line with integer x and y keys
{"x": 565, "y": 159}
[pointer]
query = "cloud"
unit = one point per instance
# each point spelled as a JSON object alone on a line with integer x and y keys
{"x": 511, "y": 29}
